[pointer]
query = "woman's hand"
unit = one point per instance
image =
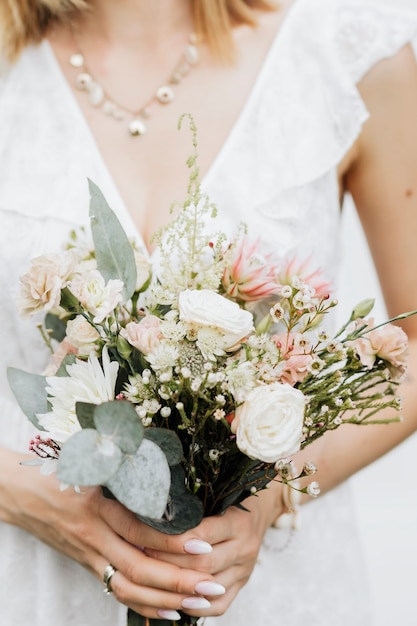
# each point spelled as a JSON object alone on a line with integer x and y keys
{"x": 236, "y": 538}
{"x": 95, "y": 531}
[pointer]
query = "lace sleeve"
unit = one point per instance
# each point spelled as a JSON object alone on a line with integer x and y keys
{"x": 367, "y": 33}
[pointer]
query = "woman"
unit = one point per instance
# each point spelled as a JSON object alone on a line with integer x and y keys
{"x": 283, "y": 134}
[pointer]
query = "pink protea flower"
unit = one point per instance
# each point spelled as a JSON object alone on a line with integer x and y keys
{"x": 249, "y": 276}
{"x": 312, "y": 278}
{"x": 295, "y": 350}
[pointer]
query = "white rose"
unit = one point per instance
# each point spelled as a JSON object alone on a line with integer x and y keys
{"x": 208, "y": 309}
{"x": 82, "y": 335}
{"x": 269, "y": 423}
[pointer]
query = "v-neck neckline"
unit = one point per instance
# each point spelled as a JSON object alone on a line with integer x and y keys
{"x": 222, "y": 151}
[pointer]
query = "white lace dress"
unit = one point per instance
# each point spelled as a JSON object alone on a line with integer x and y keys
{"x": 277, "y": 172}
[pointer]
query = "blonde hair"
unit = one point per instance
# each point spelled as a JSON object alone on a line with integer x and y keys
{"x": 24, "y": 22}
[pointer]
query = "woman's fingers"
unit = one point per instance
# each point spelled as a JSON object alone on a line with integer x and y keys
{"x": 128, "y": 526}
{"x": 146, "y": 571}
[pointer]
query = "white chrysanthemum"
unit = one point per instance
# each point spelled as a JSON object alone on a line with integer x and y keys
{"x": 164, "y": 357}
{"x": 241, "y": 380}
{"x": 87, "y": 381}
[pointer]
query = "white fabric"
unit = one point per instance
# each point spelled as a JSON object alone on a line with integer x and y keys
{"x": 277, "y": 172}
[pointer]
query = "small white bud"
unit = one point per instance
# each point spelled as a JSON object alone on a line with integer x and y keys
{"x": 313, "y": 489}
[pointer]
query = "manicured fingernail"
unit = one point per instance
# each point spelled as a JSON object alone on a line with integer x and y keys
{"x": 209, "y": 588}
{"x": 195, "y": 603}
{"x": 197, "y": 546}
{"x": 171, "y": 615}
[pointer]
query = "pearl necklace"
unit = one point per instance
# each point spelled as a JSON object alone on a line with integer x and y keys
{"x": 98, "y": 96}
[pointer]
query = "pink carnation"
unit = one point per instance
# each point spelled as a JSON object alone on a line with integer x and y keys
{"x": 388, "y": 342}
{"x": 41, "y": 285}
{"x": 63, "y": 349}
{"x": 143, "y": 335}
{"x": 249, "y": 276}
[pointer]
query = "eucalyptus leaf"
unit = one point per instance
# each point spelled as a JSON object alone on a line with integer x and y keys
{"x": 56, "y": 327}
{"x": 87, "y": 458}
{"x": 68, "y": 359}
{"x": 168, "y": 441}
{"x": 178, "y": 486}
{"x": 85, "y": 414}
{"x": 119, "y": 420}
{"x": 30, "y": 393}
{"x": 183, "y": 512}
{"x": 69, "y": 302}
{"x": 142, "y": 481}
{"x": 114, "y": 253}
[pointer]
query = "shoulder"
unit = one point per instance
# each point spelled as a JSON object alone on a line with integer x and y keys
{"x": 357, "y": 34}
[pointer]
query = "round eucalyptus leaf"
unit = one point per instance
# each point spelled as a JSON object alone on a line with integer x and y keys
{"x": 168, "y": 441}
{"x": 183, "y": 512}
{"x": 88, "y": 458}
{"x": 119, "y": 420}
{"x": 85, "y": 414}
{"x": 178, "y": 486}
{"x": 142, "y": 481}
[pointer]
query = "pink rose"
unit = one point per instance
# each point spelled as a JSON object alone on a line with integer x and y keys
{"x": 143, "y": 335}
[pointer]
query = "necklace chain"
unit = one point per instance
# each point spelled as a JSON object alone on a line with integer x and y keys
{"x": 135, "y": 119}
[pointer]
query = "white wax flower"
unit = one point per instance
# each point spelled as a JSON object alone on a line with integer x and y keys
{"x": 269, "y": 423}
{"x": 207, "y": 309}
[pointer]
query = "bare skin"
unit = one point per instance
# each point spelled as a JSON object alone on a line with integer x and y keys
{"x": 144, "y": 39}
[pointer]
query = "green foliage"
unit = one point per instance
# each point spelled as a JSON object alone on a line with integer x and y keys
{"x": 142, "y": 481}
{"x": 169, "y": 443}
{"x": 88, "y": 458}
{"x": 55, "y": 326}
{"x": 120, "y": 422}
{"x": 69, "y": 359}
{"x": 85, "y": 414}
{"x": 114, "y": 254}
{"x": 30, "y": 393}
{"x": 184, "y": 510}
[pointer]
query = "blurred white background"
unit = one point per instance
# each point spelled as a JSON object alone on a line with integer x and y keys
{"x": 385, "y": 494}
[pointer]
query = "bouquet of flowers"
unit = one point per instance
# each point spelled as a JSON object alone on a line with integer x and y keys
{"x": 184, "y": 385}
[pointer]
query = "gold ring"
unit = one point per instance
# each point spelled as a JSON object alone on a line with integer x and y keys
{"x": 107, "y": 576}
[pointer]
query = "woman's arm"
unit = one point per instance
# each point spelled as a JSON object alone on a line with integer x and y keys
{"x": 383, "y": 183}
{"x": 92, "y": 530}
{"x": 382, "y": 178}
